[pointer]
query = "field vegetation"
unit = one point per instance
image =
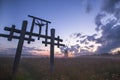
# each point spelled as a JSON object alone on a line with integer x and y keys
{"x": 80, "y": 68}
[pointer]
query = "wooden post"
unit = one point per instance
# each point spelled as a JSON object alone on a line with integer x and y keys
{"x": 19, "y": 48}
{"x": 31, "y": 30}
{"x": 40, "y": 28}
{"x": 58, "y": 42}
{"x": 52, "y": 44}
{"x": 52, "y": 50}
{"x": 46, "y": 33}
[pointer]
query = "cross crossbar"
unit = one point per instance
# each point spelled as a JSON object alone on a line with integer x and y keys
{"x": 33, "y": 34}
{"x": 39, "y": 18}
{"x": 15, "y": 37}
{"x": 54, "y": 43}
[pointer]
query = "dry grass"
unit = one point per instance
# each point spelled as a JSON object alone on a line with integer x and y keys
{"x": 82, "y": 68}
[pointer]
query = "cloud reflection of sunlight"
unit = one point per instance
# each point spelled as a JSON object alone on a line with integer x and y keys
{"x": 114, "y": 51}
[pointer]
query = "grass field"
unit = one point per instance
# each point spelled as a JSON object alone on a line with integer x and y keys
{"x": 81, "y": 68}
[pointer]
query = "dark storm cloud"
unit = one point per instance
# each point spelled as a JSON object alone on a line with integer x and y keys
{"x": 108, "y": 46}
{"x": 112, "y": 6}
{"x": 110, "y": 38}
{"x": 98, "y": 21}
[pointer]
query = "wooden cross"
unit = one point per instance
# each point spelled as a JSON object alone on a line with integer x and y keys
{"x": 40, "y": 22}
{"x": 21, "y": 38}
{"x": 52, "y": 43}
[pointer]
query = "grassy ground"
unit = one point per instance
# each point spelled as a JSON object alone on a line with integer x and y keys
{"x": 82, "y": 68}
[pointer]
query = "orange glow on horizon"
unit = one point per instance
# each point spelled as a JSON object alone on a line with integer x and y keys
{"x": 47, "y": 53}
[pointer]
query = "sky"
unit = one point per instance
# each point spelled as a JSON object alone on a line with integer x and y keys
{"x": 80, "y": 23}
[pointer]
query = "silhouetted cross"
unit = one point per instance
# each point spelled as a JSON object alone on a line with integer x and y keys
{"x": 52, "y": 43}
{"x": 36, "y": 21}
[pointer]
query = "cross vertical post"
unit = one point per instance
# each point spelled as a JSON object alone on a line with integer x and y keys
{"x": 40, "y": 28}
{"x": 52, "y": 50}
{"x": 46, "y": 33}
{"x": 32, "y": 26}
{"x": 58, "y": 42}
{"x": 52, "y": 44}
{"x": 19, "y": 47}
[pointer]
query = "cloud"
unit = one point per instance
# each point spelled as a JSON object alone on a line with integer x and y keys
{"x": 110, "y": 33}
{"x": 91, "y": 38}
{"x": 108, "y": 22}
{"x": 107, "y": 25}
{"x": 83, "y": 38}
{"x": 112, "y": 6}
{"x": 82, "y": 46}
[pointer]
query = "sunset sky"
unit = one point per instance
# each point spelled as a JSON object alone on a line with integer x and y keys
{"x": 85, "y": 25}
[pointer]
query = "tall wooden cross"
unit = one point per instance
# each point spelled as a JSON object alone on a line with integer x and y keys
{"x": 52, "y": 43}
{"x": 36, "y": 21}
{"x": 21, "y": 39}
